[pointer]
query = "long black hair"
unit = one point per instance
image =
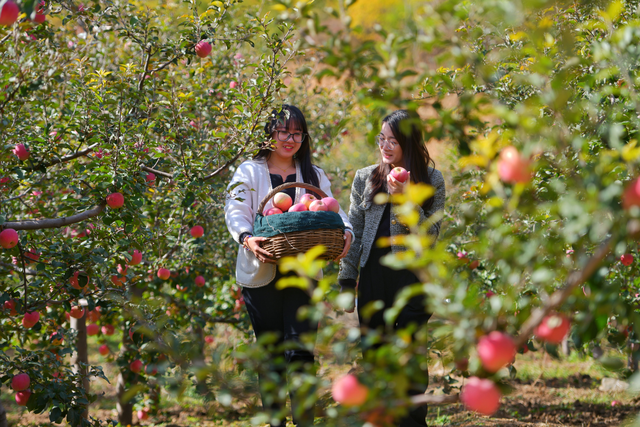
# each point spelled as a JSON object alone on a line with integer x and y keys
{"x": 407, "y": 130}
{"x": 291, "y": 116}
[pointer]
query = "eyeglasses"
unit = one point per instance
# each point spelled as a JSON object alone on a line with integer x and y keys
{"x": 283, "y": 136}
{"x": 382, "y": 142}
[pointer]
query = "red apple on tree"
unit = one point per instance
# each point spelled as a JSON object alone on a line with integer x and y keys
{"x": 9, "y": 13}
{"x": 512, "y": 167}
{"x": 332, "y": 204}
{"x": 200, "y": 281}
{"x": 21, "y": 152}
{"x": 22, "y": 397}
{"x": 233, "y": 84}
{"x": 163, "y": 273}
{"x": 197, "y": 231}
{"x": 203, "y": 48}
{"x": 282, "y": 201}
{"x": 94, "y": 315}
{"x": 150, "y": 178}
{"x": 136, "y": 366}
{"x": 399, "y": 173}
{"x": 9, "y": 238}
{"x": 11, "y": 306}
{"x": 626, "y": 259}
{"x": 115, "y": 200}
{"x": 30, "y": 319}
{"x": 481, "y": 395}
{"x": 108, "y": 330}
{"x": 631, "y": 195}
{"x": 553, "y": 328}
{"x": 93, "y": 329}
{"x": 143, "y": 414}
{"x": 77, "y": 312}
{"x": 56, "y": 338}
{"x": 136, "y": 257}
{"x": 20, "y": 382}
{"x": 496, "y": 350}
{"x": 348, "y": 391}
{"x": 104, "y": 349}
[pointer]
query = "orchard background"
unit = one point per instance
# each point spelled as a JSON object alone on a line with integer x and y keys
{"x": 531, "y": 111}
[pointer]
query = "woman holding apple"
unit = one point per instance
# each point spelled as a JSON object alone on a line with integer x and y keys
{"x": 286, "y": 158}
{"x": 403, "y": 157}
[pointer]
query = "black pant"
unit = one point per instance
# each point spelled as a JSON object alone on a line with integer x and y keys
{"x": 380, "y": 283}
{"x": 275, "y": 311}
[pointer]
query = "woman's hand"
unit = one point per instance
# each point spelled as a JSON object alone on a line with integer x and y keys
{"x": 253, "y": 244}
{"x": 347, "y": 245}
{"x": 395, "y": 186}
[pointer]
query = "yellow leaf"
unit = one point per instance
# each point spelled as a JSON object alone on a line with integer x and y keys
{"x": 279, "y": 7}
{"x": 217, "y": 3}
{"x": 473, "y": 160}
{"x": 630, "y": 152}
{"x": 615, "y": 9}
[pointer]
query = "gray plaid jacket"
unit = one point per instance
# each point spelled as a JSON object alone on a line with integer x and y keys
{"x": 365, "y": 217}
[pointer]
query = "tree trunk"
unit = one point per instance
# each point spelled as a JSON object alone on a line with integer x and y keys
{"x": 3, "y": 416}
{"x": 198, "y": 361}
{"x": 81, "y": 355}
{"x": 566, "y": 347}
{"x": 125, "y": 409}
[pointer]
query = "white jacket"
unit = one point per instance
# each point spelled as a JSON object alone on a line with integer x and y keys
{"x": 250, "y": 184}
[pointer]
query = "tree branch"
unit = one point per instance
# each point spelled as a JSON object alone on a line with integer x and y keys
{"x": 157, "y": 172}
{"x": 55, "y": 222}
{"x": 70, "y": 157}
{"x": 430, "y": 399}
{"x": 574, "y": 280}
{"x": 226, "y": 165}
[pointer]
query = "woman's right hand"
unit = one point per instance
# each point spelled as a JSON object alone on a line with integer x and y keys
{"x": 253, "y": 243}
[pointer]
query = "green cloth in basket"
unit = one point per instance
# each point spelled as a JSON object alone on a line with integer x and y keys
{"x": 288, "y": 222}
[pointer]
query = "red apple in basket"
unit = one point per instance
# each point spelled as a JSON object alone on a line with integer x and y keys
{"x": 272, "y": 211}
{"x": 332, "y": 204}
{"x": 298, "y": 207}
{"x": 306, "y": 199}
{"x": 282, "y": 201}
{"x": 399, "y": 173}
{"x": 317, "y": 206}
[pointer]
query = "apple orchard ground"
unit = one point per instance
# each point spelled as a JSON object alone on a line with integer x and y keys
{"x": 546, "y": 392}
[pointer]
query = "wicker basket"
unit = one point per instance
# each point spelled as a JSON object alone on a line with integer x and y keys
{"x": 295, "y": 242}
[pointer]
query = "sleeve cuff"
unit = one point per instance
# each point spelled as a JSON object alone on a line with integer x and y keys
{"x": 347, "y": 285}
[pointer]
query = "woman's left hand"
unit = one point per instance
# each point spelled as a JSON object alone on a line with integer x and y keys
{"x": 347, "y": 245}
{"x": 395, "y": 186}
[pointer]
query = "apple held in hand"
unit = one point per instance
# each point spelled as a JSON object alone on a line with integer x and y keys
{"x": 480, "y": 395}
{"x": 20, "y": 382}
{"x": 307, "y": 198}
{"x": 298, "y": 207}
{"x": 115, "y": 200}
{"x": 9, "y": 238}
{"x": 348, "y": 391}
{"x": 496, "y": 350}
{"x": 400, "y": 174}
{"x": 317, "y": 206}
{"x": 272, "y": 211}
{"x": 203, "y": 48}
{"x": 553, "y": 328}
{"x": 332, "y": 204}
{"x": 512, "y": 167}
{"x": 282, "y": 201}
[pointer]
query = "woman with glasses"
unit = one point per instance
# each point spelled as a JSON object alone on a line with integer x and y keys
{"x": 401, "y": 144}
{"x": 287, "y": 158}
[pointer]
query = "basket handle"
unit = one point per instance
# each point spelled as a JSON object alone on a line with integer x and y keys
{"x": 284, "y": 186}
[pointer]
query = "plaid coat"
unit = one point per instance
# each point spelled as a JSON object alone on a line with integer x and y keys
{"x": 365, "y": 217}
